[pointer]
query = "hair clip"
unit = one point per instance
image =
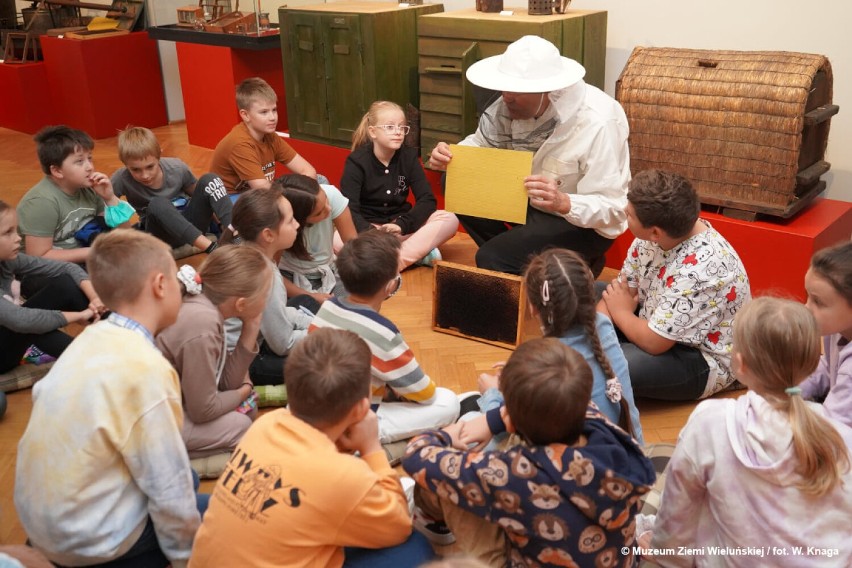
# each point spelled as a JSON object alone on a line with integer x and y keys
{"x": 613, "y": 390}
{"x": 190, "y": 279}
{"x": 545, "y": 293}
{"x": 793, "y": 391}
{"x": 233, "y": 230}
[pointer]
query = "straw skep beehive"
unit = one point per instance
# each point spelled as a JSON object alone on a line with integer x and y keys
{"x": 748, "y": 128}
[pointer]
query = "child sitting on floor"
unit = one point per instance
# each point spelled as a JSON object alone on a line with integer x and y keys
{"x": 264, "y": 221}
{"x": 67, "y": 297}
{"x": 71, "y": 196}
{"x": 171, "y": 203}
{"x": 406, "y": 399}
{"x": 828, "y": 283}
{"x": 218, "y": 398}
{"x": 378, "y": 176}
{"x": 320, "y": 209}
{"x": 564, "y": 496}
{"x": 561, "y": 292}
{"x": 765, "y": 471}
{"x": 245, "y": 158}
{"x": 678, "y": 292}
{"x": 294, "y": 495}
{"x": 102, "y": 473}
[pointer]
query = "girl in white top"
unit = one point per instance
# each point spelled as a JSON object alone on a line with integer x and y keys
{"x": 767, "y": 471}
{"x": 320, "y": 209}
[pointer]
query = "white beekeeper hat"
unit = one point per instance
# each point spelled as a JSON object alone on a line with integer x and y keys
{"x": 529, "y": 65}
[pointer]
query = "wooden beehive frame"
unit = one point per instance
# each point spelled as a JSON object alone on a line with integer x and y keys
{"x": 730, "y": 121}
{"x": 461, "y": 294}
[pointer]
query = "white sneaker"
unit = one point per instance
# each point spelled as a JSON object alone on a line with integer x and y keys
{"x": 434, "y": 530}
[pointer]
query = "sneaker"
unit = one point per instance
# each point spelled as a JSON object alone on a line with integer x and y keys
{"x": 435, "y": 531}
{"x": 430, "y": 259}
{"x": 469, "y": 402}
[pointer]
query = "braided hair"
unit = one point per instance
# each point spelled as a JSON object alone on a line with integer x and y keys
{"x": 561, "y": 288}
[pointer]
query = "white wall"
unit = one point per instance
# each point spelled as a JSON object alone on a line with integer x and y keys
{"x": 818, "y": 26}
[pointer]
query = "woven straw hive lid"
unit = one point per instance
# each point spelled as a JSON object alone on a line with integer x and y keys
{"x": 731, "y": 121}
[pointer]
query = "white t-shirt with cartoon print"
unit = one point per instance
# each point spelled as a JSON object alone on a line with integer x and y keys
{"x": 690, "y": 294}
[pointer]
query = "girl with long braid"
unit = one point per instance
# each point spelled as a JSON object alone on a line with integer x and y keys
{"x": 560, "y": 291}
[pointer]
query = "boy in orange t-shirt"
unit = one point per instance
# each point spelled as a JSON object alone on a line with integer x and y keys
{"x": 293, "y": 494}
{"x": 245, "y": 158}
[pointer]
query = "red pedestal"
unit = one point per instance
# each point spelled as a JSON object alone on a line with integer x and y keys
{"x": 27, "y": 105}
{"x": 209, "y": 75}
{"x": 776, "y": 254}
{"x": 102, "y": 85}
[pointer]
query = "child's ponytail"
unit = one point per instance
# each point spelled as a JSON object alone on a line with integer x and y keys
{"x": 818, "y": 446}
{"x": 359, "y": 137}
{"x": 779, "y": 343}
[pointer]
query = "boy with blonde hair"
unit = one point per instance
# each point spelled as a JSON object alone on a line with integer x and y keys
{"x": 293, "y": 494}
{"x": 102, "y": 472}
{"x": 172, "y": 204}
{"x": 70, "y": 196}
{"x": 246, "y": 156}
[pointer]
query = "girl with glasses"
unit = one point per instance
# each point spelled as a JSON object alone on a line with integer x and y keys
{"x": 378, "y": 176}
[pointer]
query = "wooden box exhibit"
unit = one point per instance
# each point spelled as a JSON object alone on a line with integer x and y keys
{"x": 748, "y": 128}
{"x": 340, "y": 57}
{"x": 479, "y": 304}
{"x": 450, "y": 42}
{"x": 235, "y": 22}
{"x": 187, "y": 15}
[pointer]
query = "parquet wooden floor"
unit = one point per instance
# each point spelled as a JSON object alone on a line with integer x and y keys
{"x": 452, "y": 361}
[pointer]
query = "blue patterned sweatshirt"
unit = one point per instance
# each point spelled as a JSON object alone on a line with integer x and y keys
{"x": 559, "y": 505}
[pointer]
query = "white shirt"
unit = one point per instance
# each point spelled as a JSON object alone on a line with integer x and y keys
{"x": 586, "y": 154}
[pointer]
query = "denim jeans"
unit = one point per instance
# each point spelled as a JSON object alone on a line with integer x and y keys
{"x": 411, "y": 553}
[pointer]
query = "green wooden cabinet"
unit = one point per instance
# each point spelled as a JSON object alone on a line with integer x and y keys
{"x": 450, "y": 42}
{"x": 340, "y": 57}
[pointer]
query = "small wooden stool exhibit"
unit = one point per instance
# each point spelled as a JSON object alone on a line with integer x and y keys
{"x": 479, "y": 304}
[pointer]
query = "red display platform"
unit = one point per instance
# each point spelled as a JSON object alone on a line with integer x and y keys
{"x": 777, "y": 253}
{"x": 208, "y": 76}
{"x": 102, "y": 85}
{"x": 27, "y": 104}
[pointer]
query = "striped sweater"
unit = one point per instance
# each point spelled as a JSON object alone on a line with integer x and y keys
{"x": 393, "y": 364}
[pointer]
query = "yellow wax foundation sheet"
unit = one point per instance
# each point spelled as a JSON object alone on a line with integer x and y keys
{"x": 488, "y": 182}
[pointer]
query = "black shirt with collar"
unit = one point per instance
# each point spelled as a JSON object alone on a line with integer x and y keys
{"x": 379, "y": 194}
